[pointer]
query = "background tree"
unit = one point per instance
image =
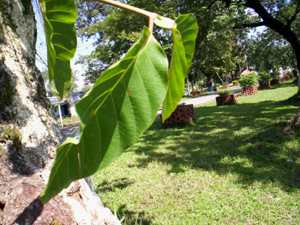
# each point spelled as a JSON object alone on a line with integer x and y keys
{"x": 114, "y": 31}
{"x": 280, "y": 16}
{"x": 269, "y": 52}
{"x": 221, "y": 47}
{"x": 216, "y": 51}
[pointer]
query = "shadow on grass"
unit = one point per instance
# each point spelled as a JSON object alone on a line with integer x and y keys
{"x": 245, "y": 139}
{"x": 294, "y": 100}
{"x": 115, "y": 184}
{"x": 129, "y": 217}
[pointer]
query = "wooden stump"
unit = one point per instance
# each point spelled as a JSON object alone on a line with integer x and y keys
{"x": 183, "y": 115}
{"x": 226, "y": 100}
{"x": 249, "y": 90}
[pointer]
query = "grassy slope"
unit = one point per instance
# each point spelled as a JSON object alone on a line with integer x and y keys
{"x": 234, "y": 167}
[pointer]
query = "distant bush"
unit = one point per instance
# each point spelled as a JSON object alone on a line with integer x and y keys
{"x": 264, "y": 76}
{"x": 264, "y": 80}
{"x": 235, "y": 83}
{"x": 225, "y": 92}
{"x": 223, "y": 86}
{"x": 249, "y": 79}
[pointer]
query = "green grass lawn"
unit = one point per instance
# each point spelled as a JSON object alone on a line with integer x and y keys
{"x": 235, "y": 166}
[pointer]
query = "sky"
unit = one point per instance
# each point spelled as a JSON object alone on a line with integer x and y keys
{"x": 254, "y": 32}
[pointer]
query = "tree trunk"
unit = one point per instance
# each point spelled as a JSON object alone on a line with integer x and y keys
{"x": 29, "y": 135}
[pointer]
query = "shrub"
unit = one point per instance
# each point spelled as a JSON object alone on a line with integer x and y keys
{"x": 264, "y": 79}
{"x": 264, "y": 76}
{"x": 249, "y": 79}
{"x": 223, "y": 86}
{"x": 235, "y": 83}
{"x": 225, "y": 93}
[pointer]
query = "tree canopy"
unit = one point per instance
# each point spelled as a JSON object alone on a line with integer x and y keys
{"x": 224, "y": 46}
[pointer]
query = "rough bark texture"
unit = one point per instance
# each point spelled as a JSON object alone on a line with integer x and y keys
{"x": 29, "y": 135}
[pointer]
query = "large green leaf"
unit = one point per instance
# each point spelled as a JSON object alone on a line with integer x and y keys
{"x": 120, "y": 107}
{"x": 66, "y": 169}
{"x": 187, "y": 25}
{"x": 184, "y": 40}
{"x": 60, "y": 17}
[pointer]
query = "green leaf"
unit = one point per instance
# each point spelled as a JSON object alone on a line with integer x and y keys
{"x": 66, "y": 169}
{"x": 184, "y": 41}
{"x": 60, "y": 17}
{"x": 187, "y": 25}
{"x": 122, "y": 104}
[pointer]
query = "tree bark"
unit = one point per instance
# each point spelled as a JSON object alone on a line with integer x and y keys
{"x": 29, "y": 135}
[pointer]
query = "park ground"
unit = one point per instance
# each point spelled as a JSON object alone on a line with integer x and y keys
{"x": 234, "y": 166}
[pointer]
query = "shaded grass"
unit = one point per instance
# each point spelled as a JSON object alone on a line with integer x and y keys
{"x": 234, "y": 166}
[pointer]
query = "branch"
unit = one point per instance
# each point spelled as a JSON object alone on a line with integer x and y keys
{"x": 249, "y": 25}
{"x": 273, "y": 23}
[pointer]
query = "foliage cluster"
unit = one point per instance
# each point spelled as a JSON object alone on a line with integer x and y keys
{"x": 225, "y": 93}
{"x": 264, "y": 76}
{"x": 217, "y": 53}
{"x": 264, "y": 79}
{"x": 235, "y": 82}
{"x": 224, "y": 46}
{"x": 249, "y": 80}
{"x": 268, "y": 52}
